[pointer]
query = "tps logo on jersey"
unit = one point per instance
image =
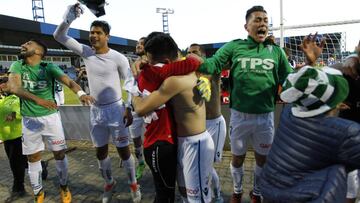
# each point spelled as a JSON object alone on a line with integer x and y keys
{"x": 32, "y": 85}
{"x": 253, "y": 63}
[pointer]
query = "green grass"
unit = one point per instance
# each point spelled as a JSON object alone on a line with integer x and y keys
{"x": 70, "y": 97}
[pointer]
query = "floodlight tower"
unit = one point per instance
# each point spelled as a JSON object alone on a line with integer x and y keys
{"x": 165, "y": 12}
{"x": 38, "y": 10}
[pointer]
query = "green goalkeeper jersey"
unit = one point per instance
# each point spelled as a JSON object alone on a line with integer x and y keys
{"x": 256, "y": 71}
{"x": 40, "y": 81}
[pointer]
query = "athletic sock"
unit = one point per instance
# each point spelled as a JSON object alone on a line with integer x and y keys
{"x": 237, "y": 175}
{"x": 34, "y": 171}
{"x": 129, "y": 166}
{"x": 139, "y": 154}
{"x": 62, "y": 170}
{"x": 105, "y": 170}
{"x": 257, "y": 173}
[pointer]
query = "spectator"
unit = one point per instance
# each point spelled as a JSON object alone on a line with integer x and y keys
{"x": 313, "y": 149}
{"x": 10, "y": 133}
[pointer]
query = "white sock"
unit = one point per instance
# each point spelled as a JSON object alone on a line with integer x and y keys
{"x": 105, "y": 169}
{"x": 34, "y": 171}
{"x": 257, "y": 173}
{"x": 139, "y": 154}
{"x": 237, "y": 175}
{"x": 215, "y": 182}
{"x": 129, "y": 166}
{"x": 62, "y": 170}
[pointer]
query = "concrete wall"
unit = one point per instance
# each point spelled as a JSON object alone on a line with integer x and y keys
{"x": 75, "y": 120}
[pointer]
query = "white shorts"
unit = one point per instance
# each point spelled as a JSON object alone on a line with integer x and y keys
{"x": 217, "y": 129}
{"x": 352, "y": 184}
{"x": 60, "y": 98}
{"x": 195, "y": 163}
{"x": 137, "y": 127}
{"x": 37, "y": 129}
{"x": 258, "y": 128}
{"x": 106, "y": 121}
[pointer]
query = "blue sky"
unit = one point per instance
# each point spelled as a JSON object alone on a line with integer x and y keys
{"x": 201, "y": 21}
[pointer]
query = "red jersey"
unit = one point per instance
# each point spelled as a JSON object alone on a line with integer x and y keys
{"x": 150, "y": 79}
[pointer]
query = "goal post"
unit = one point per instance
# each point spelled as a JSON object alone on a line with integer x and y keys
{"x": 335, "y": 34}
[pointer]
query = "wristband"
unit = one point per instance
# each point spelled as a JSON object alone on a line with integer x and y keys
{"x": 80, "y": 93}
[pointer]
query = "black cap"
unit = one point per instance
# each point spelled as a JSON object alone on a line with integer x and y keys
{"x": 95, "y": 6}
{"x": 254, "y": 9}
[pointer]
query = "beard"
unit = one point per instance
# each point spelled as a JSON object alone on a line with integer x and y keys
{"x": 25, "y": 54}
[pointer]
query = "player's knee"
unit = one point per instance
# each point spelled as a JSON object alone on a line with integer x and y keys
{"x": 260, "y": 159}
{"x": 34, "y": 157}
{"x": 59, "y": 155}
{"x": 137, "y": 141}
{"x": 237, "y": 161}
{"x": 124, "y": 152}
{"x": 102, "y": 152}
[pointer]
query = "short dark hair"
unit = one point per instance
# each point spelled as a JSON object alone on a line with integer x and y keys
{"x": 160, "y": 46}
{"x": 103, "y": 24}
{"x": 252, "y": 10}
{"x": 42, "y": 44}
{"x": 202, "y": 50}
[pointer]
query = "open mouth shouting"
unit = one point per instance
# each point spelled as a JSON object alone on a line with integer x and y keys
{"x": 261, "y": 33}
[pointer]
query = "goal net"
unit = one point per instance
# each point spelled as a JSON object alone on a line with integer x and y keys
{"x": 334, "y": 51}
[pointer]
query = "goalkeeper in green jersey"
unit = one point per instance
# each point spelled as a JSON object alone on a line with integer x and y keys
{"x": 258, "y": 66}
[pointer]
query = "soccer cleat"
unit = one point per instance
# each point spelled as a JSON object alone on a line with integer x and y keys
{"x": 236, "y": 198}
{"x": 39, "y": 198}
{"x": 135, "y": 192}
{"x": 139, "y": 170}
{"x": 254, "y": 198}
{"x": 108, "y": 192}
{"x": 65, "y": 194}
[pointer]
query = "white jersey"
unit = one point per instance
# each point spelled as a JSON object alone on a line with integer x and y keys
{"x": 104, "y": 71}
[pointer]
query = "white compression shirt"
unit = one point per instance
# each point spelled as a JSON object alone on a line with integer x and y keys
{"x": 104, "y": 71}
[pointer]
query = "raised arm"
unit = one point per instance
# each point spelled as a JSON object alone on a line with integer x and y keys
{"x": 216, "y": 63}
{"x": 61, "y": 32}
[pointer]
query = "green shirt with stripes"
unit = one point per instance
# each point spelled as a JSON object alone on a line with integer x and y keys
{"x": 40, "y": 81}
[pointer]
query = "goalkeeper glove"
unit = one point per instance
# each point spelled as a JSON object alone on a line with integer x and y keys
{"x": 204, "y": 87}
{"x": 72, "y": 12}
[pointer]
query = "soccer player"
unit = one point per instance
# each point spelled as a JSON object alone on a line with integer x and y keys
{"x": 10, "y": 133}
{"x": 137, "y": 128}
{"x": 215, "y": 122}
{"x": 159, "y": 142}
{"x": 32, "y": 80}
{"x": 105, "y": 68}
{"x": 257, "y": 68}
{"x": 195, "y": 147}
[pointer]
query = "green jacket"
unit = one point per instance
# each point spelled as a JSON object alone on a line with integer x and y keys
{"x": 10, "y": 130}
{"x": 256, "y": 71}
